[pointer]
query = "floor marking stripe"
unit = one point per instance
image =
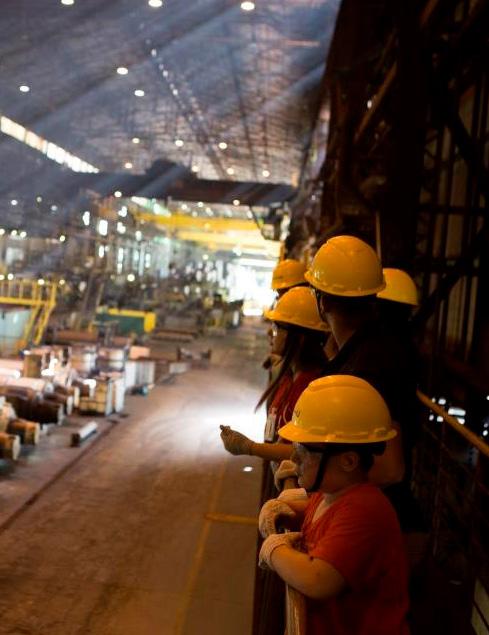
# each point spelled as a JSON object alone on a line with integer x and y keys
{"x": 230, "y": 518}
{"x": 181, "y": 614}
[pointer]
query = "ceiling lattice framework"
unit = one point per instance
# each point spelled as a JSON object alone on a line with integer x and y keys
{"x": 211, "y": 73}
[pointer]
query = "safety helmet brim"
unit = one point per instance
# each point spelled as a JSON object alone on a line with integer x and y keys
{"x": 341, "y": 291}
{"x": 276, "y": 316}
{"x": 285, "y": 286}
{"x": 291, "y": 432}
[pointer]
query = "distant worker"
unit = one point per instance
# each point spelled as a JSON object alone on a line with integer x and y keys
{"x": 346, "y": 275}
{"x": 347, "y": 558}
{"x": 299, "y": 337}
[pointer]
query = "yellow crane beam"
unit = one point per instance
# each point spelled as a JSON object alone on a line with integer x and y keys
{"x": 182, "y": 221}
{"x": 215, "y": 233}
{"x": 250, "y": 244}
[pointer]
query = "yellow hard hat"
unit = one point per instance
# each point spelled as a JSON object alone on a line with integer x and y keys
{"x": 339, "y": 409}
{"x": 288, "y": 273}
{"x": 399, "y": 287}
{"x": 298, "y": 306}
{"x": 346, "y": 266}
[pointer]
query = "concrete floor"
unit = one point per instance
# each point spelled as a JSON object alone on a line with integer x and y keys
{"x": 120, "y": 544}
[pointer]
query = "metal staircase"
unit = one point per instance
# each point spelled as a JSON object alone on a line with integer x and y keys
{"x": 39, "y": 296}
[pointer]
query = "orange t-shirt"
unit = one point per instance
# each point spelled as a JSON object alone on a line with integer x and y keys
{"x": 359, "y": 535}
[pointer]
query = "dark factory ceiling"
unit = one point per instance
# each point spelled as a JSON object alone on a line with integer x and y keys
{"x": 227, "y": 93}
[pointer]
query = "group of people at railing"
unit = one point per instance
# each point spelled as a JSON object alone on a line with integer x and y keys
{"x": 341, "y": 420}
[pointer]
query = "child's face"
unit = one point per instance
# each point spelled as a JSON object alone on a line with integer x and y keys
{"x": 308, "y": 462}
{"x": 307, "y": 465}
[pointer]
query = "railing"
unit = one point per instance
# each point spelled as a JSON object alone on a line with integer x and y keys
{"x": 295, "y": 602}
{"x": 295, "y": 612}
{"x": 26, "y": 292}
{"x": 451, "y": 476}
{"x": 454, "y": 423}
{"x": 39, "y": 296}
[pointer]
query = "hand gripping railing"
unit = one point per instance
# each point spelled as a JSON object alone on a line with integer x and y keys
{"x": 295, "y": 602}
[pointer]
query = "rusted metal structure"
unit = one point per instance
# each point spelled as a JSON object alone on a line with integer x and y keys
{"x": 406, "y": 167}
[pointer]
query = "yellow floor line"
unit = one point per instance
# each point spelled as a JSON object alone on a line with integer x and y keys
{"x": 182, "y": 610}
{"x": 230, "y": 518}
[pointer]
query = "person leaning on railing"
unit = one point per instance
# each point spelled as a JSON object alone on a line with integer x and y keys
{"x": 348, "y": 556}
{"x": 347, "y": 275}
{"x": 299, "y": 339}
{"x": 395, "y": 306}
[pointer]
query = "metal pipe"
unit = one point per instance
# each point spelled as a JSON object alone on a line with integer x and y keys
{"x": 469, "y": 436}
{"x": 295, "y": 612}
{"x": 295, "y": 602}
{"x": 83, "y": 433}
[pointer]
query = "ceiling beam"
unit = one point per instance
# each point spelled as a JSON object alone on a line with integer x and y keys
{"x": 181, "y": 186}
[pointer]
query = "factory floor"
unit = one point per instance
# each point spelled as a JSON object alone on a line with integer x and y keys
{"x": 150, "y": 531}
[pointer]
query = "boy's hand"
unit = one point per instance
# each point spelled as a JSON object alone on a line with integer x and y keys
{"x": 274, "y": 541}
{"x": 235, "y": 442}
{"x": 293, "y": 495}
{"x": 286, "y": 469}
{"x": 269, "y": 513}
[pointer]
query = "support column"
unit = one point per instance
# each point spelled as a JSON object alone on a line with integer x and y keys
{"x": 398, "y": 216}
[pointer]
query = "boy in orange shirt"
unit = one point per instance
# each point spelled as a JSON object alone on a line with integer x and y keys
{"x": 348, "y": 559}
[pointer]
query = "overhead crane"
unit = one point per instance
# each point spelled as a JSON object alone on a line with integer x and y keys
{"x": 215, "y": 233}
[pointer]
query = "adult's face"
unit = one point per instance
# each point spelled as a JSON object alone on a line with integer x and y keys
{"x": 279, "y": 338}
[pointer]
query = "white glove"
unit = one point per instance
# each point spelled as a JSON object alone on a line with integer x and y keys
{"x": 269, "y": 513}
{"x": 271, "y": 543}
{"x": 286, "y": 469}
{"x": 235, "y": 442}
{"x": 295, "y": 494}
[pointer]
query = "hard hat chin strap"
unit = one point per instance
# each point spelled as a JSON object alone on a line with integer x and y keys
{"x": 320, "y": 473}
